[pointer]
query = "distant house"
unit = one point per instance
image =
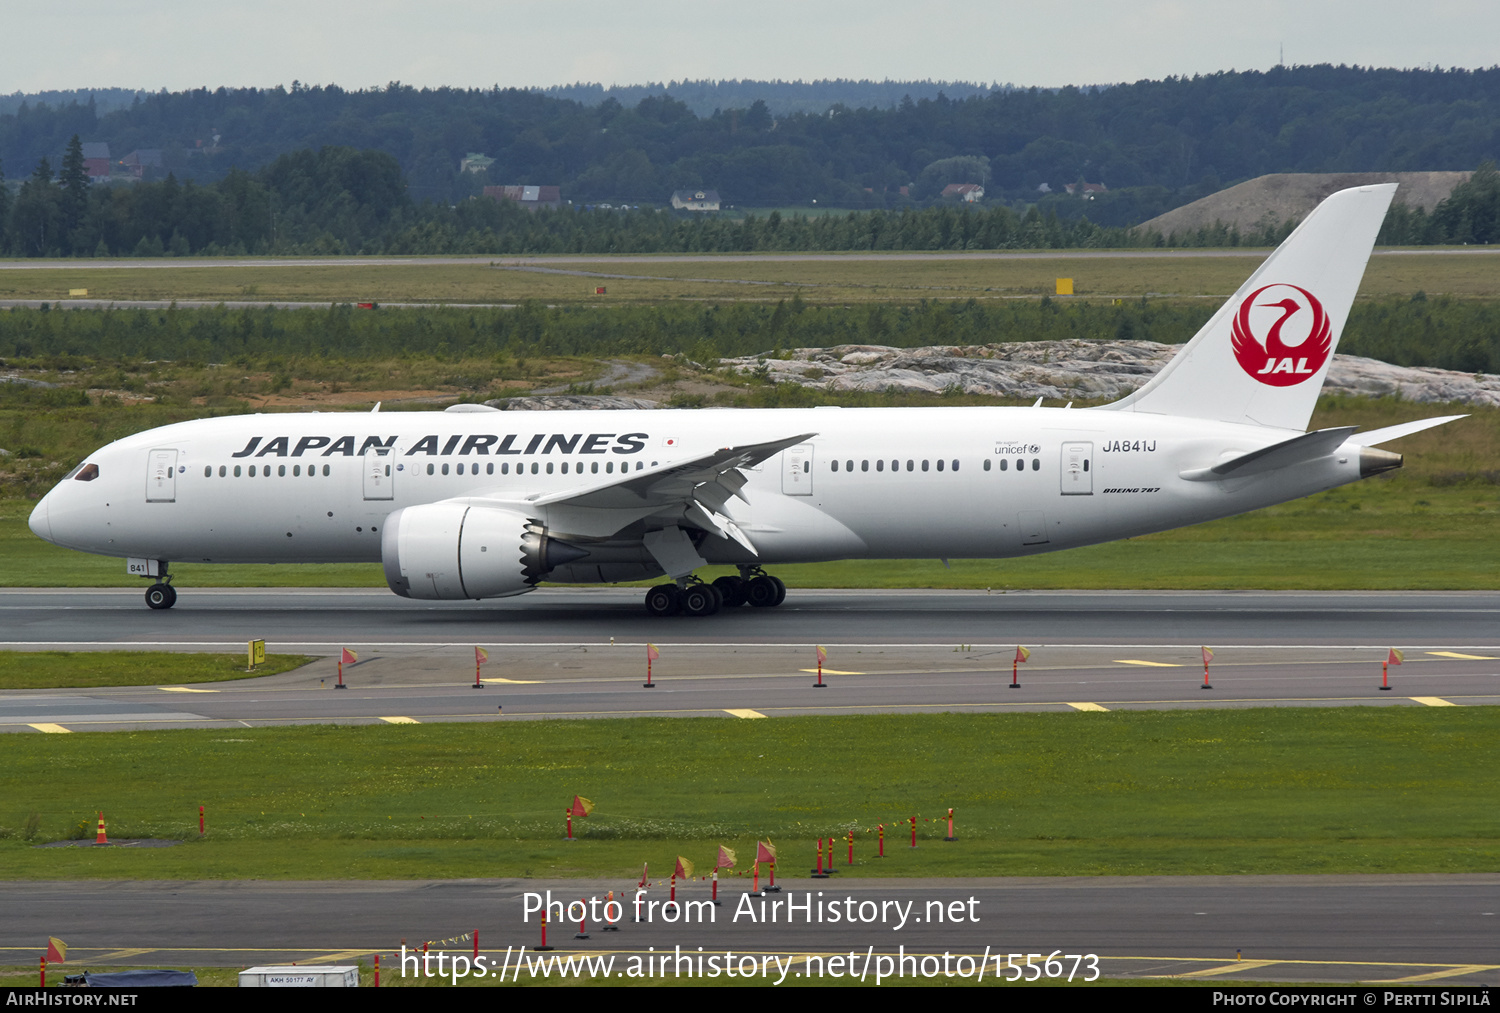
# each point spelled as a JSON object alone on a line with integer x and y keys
{"x": 695, "y": 200}
{"x": 966, "y": 192}
{"x": 475, "y": 161}
{"x": 142, "y": 159}
{"x": 1085, "y": 189}
{"x": 529, "y": 197}
{"x": 96, "y": 160}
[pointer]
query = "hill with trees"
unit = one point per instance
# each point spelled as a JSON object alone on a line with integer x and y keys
{"x": 1160, "y": 142}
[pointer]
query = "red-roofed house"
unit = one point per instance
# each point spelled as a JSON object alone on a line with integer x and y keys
{"x": 967, "y": 192}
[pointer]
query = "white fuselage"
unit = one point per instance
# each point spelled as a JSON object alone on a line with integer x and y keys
{"x": 871, "y": 483}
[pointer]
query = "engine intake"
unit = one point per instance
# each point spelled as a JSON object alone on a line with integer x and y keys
{"x": 451, "y": 551}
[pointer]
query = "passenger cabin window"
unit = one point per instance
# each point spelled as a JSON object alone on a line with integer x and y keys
{"x": 236, "y": 471}
{"x": 986, "y": 464}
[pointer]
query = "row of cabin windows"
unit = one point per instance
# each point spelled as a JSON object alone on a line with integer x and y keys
{"x": 312, "y": 470}
{"x": 1036, "y": 464}
{"x": 911, "y": 465}
{"x": 489, "y": 468}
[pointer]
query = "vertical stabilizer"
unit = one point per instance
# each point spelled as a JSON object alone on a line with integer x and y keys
{"x": 1262, "y": 358}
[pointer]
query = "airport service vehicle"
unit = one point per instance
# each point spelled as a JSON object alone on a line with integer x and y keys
{"x": 473, "y": 503}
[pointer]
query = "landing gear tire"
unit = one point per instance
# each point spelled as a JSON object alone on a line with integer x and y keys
{"x": 700, "y": 600}
{"x": 765, "y": 592}
{"x": 161, "y": 596}
{"x": 733, "y": 590}
{"x": 664, "y": 600}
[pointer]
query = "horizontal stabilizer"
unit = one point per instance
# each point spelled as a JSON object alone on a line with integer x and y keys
{"x": 1306, "y": 447}
{"x": 1376, "y": 437}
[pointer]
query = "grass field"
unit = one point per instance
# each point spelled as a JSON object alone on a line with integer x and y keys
{"x": 838, "y": 279}
{"x": 1370, "y": 790}
{"x": 55, "y": 669}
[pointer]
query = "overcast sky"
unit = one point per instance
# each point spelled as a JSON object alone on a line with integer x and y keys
{"x": 178, "y": 44}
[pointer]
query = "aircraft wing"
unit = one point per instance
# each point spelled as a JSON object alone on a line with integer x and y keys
{"x": 700, "y": 488}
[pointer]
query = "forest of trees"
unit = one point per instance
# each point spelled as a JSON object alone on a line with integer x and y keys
{"x": 342, "y": 201}
{"x": 1183, "y": 136}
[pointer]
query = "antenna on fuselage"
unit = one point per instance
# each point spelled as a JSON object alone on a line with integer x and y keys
{"x": 376, "y": 408}
{"x": 1038, "y": 403}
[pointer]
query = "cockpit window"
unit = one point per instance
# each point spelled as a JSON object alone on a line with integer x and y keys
{"x": 87, "y": 473}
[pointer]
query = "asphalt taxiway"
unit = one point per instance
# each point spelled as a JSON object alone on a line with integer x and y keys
{"x": 582, "y": 654}
{"x": 1406, "y": 929}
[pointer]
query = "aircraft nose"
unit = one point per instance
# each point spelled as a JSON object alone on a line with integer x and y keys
{"x": 39, "y": 522}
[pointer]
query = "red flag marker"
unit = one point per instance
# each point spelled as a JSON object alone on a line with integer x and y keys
{"x": 1208, "y": 653}
{"x": 822, "y": 657}
{"x": 480, "y": 657}
{"x": 1393, "y": 658}
{"x": 651, "y": 655}
{"x": 1015, "y": 683}
{"x": 346, "y": 657}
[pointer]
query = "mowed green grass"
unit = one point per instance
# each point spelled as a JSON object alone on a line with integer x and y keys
{"x": 76, "y": 669}
{"x": 836, "y": 278}
{"x": 1348, "y": 790}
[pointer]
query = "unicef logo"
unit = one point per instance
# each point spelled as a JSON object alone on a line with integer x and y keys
{"x": 1281, "y": 335}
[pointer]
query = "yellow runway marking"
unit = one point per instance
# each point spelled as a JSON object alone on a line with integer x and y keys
{"x": 50, "y": 728}
{"x": 333, "y": 958}
{"x": 1238, "y": 965}
{"x": 1149, "y": 664}
{"x": 401, "y": 721}
{"x": 516, "y": 682}
{"x": 115, "y": 956}
{"x": 184, "y": 689}
{"x": 1461, "y": 657}
{"x": 828, "y": 671}
{"x": 1451, "y": 972}
{"x": 744, "y": 713}
{"x": 1434, "y": 701}
{"x": 1088, "y": 707}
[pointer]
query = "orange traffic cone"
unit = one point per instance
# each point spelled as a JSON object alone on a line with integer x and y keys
{"x": 100, "y": 838}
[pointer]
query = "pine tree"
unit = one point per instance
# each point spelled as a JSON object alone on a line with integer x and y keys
{"x": 74, "y": 180}
{"x": 4, "y": 212}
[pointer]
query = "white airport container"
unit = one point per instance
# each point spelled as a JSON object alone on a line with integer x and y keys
{"x": 307, "y": 976}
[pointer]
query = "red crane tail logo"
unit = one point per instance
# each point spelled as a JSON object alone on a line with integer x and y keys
{"x": 1281, "y": 335}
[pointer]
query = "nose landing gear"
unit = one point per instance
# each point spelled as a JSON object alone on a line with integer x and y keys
{"x": 161, "y": 596}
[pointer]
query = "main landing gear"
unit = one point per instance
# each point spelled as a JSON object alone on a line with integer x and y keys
{"x": 696, "y": 598}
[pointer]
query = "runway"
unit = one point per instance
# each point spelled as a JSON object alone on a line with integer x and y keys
{"x": 1286, "y": 928}
{"x": 572, "y": 653}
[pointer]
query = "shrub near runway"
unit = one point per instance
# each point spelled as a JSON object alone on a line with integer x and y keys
{"x": 1392, "y": 789}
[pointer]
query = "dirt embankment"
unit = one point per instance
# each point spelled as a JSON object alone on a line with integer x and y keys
{"x": 1283, "y": 196}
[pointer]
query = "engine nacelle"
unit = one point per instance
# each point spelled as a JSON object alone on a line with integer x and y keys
{"x": 448, "y": 551}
